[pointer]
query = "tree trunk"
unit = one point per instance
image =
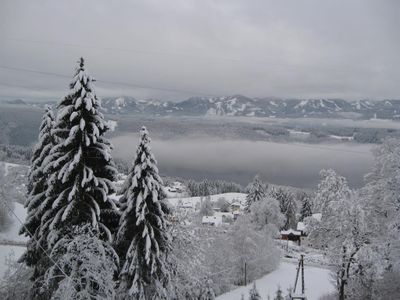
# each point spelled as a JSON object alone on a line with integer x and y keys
{"x": 342, "y": 273}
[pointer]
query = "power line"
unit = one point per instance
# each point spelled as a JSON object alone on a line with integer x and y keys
{"x": 33, "y": 71}
{"x": 132, "y": 85}
{"x": 16, "y": 85}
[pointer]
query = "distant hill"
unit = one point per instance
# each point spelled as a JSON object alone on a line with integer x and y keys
{"x": 239, "y": 105}
{"x": 16, "y": 101}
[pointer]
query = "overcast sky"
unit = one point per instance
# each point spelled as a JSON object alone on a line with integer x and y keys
{"x": 348, "y": 49}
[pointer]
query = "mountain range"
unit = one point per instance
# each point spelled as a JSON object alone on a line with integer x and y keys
{"x": 239, "y": 105}
{"x": 256, "y": 107}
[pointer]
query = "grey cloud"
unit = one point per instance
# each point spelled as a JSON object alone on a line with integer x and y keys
{"x": 304, "y": 48}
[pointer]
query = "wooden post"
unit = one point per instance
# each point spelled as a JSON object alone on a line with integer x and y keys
{"x": 302, "y": 275}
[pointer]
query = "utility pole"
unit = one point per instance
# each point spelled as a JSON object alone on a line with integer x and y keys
{"x": 300, "y": 268}
{"x": 245, "y": 273}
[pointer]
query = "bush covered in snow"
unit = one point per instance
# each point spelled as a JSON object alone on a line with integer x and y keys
{"x": 16, "y": 284}
{"x": 84, "y": 266}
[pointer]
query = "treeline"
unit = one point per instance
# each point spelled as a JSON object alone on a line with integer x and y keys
{"x": 212, "y": 187}
{"x": 15, "y": 154}
{"x": 359, "y": 135}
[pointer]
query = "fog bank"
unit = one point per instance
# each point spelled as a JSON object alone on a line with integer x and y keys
{"x": 279, "y": 163}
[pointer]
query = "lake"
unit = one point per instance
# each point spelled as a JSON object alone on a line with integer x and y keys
{"x": 294, "y": 164}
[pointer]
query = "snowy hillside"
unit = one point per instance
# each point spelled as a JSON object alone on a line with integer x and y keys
{"x": 318, "y": 283}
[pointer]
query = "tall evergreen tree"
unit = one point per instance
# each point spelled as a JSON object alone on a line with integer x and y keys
{"x": 287, "y": 206}
{"x": 257, "y": 191}
{"x": 143, "y": 239}
{"x": 79, "y": 174}
{"x": 81, "y": 167}
{"x": 37, "y": 186}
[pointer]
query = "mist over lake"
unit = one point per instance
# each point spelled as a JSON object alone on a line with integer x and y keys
{"x": 294, "y": 164}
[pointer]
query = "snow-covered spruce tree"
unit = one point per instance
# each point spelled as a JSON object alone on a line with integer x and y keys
{"x": 81, "y": 172}
{"x": 37, "y": 186}
{"x": 306, "y": 209}
{"x": 84, "y": 171}
{"x": 287, "y": 206}
{"x": 143, "y": 238}
{"x": 257, "y": 191}
{"x": 253, "y": 293}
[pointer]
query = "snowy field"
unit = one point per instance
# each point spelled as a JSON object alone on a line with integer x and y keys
{"x": 317, "y": 282}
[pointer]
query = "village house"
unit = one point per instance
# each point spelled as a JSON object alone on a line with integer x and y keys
{"x": 291, "y": 235}
{"x": 218, "y": 219}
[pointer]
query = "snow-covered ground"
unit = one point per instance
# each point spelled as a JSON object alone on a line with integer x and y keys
{"x": 10, "y": 236}
{"x": 317, "y": 283}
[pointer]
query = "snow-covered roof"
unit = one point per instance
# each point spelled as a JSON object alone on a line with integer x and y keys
{"x": 301, "y": 226}
{"x": 290, "y": 231}
{"x": 317, "y": 216}
{"x": 215, "y": 220}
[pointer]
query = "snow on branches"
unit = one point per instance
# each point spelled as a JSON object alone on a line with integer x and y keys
{"x": 83, "y": 171}
{"x": 72, "y": 174}
{"x": 143, "y": 239}
{"x": 37, "y": 186}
